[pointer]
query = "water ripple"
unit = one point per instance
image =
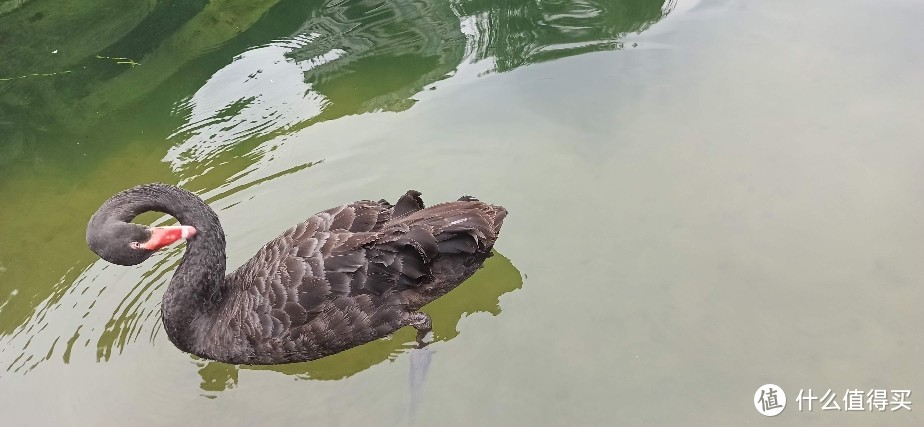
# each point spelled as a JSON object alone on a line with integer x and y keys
{"x": 339, "y": 59}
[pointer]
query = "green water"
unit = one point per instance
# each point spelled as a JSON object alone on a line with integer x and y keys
{"x": 705, "y": 197}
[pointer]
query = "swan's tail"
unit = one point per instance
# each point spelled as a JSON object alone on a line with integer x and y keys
{"x": 467, "y": 225}
{"x": 442, "y": 245}
{"x": 499, "y": 214}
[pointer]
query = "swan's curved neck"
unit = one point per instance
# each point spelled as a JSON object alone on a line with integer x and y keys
{"x": 198, "y": 286}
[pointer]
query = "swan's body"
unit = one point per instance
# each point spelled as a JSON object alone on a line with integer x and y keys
{"x": 344, "y": 277}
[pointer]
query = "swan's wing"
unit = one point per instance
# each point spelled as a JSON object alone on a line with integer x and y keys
{"x": 348, "y": 259}
{"x": 286, "y": 284}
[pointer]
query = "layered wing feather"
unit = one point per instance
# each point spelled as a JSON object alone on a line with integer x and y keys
{"x": 334, "y": 277}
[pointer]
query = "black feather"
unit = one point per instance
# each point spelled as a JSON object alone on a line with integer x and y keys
{"x": 408, "y": 203}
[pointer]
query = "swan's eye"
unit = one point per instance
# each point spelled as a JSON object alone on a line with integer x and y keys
{"x": 135, "y": 245}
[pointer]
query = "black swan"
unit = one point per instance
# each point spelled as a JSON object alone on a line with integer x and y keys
{"x": 344, "y": 277}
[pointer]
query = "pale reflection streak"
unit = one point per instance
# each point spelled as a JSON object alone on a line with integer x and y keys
{"x": 261, "y": 92}
{"x": 258, "y": 93}
{"x": 84, "y": 311}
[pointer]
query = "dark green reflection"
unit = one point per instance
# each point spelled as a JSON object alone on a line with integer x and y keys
{"x": 522, "y": 32}
{"x": 78, "y": 124}
{"x": 481, "y": 293}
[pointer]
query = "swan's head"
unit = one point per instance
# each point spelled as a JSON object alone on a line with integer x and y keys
{"x": 125, "y": 243}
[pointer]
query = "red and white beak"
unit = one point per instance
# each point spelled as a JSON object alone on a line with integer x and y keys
{"x": 164, "y": 236}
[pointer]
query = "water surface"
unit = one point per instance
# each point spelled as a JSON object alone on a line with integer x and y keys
{"x": 705, "y": 197}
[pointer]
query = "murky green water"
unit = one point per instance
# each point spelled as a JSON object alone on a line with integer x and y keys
{"x": 705, "y": 197}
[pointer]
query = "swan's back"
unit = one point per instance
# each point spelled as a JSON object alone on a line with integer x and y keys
{"x": 347, "y": 276}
